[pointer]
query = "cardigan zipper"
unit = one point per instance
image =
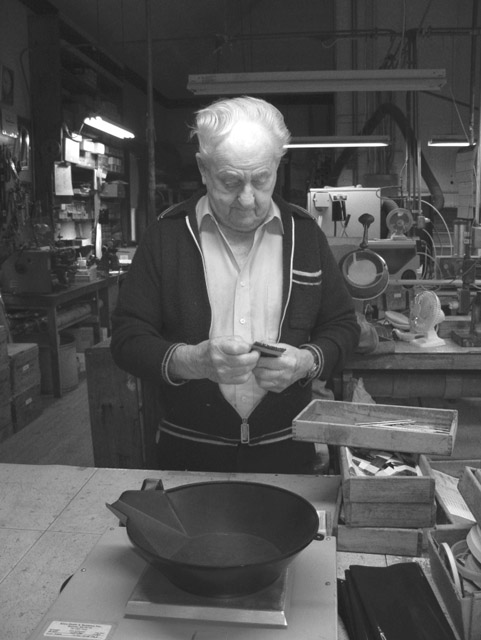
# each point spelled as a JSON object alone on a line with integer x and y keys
{"x": 245, "y": 435}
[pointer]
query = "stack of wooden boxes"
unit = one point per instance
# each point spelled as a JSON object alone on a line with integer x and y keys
{"x": 382, "y": 514}
{"x": 20, "y": 400}
{"x": 461, "y": 600}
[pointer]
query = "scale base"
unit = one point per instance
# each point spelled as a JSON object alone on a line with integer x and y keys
{"x": 156, "y": 597}
{"x": 96, "y": 599}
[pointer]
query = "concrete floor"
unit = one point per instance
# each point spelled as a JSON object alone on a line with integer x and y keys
{"x": 61, "y": 435}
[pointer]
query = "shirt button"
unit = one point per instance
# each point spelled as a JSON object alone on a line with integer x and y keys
{"x": 242, "y": 283}
{"x": 242, "y": 320}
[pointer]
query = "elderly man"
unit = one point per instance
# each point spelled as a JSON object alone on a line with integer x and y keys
{"x": 213, "y": 275}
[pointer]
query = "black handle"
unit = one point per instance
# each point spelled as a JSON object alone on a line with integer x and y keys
{"x": 366, "y": 219}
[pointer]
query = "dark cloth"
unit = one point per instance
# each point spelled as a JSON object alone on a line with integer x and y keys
{"x": 164, "y": 301}
{"x": 286, "y": 456}
{"x": 391, "y": 603}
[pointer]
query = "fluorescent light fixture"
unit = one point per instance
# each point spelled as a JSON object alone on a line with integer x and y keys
{"x": 102, "y": 124}
{"x": 313, "y": 142}
{"x": 449, "y": 141}
{"x": 331, "y": 81}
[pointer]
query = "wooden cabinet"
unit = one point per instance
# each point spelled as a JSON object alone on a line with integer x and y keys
{"x": 124, "y": 413}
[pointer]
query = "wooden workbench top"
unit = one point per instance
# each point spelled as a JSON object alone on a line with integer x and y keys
{"x": 52, "y": 516}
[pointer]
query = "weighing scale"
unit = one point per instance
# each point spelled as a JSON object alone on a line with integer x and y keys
{"x": 116, "y": 595}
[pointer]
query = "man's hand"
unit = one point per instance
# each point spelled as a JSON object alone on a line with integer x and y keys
{"x": 226, "y": 360}
{"x": 276, "y": 374}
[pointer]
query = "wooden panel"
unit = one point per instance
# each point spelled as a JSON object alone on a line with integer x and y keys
{"x": 470, "y": 488}
{"x": 115, "y": 419}
{"x": 3, "y": 344}
{"x": 398, "y": 514}
{"x": 399, "y": 542}
{"x": 5, "y": 385}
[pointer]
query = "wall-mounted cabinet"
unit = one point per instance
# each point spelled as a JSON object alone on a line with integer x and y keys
{"x": 70, "y": 80}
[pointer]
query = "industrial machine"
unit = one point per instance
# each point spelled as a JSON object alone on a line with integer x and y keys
{"x": 37, "y": 270}
{"x": 337, "y": 210}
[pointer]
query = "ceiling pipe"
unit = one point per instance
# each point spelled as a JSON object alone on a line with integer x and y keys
{"x": 391, "y": 110}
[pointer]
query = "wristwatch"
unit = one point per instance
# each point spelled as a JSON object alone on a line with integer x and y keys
{"x": 316, "y": 367}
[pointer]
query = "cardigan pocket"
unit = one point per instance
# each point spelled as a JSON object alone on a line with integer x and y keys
{"x": 306, "y": 297}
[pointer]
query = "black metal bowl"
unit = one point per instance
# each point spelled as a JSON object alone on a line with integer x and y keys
{"x": 238, "y": 536}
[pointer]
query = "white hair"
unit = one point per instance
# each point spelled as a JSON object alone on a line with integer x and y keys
{"x": 214, "y": 123}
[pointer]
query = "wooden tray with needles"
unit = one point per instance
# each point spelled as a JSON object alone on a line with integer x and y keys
{"x": 378, "y": 426}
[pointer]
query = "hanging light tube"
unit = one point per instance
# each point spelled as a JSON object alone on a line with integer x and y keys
{"x": 450, "y": 141}
{"x": 331, "y": 81}
{"x": 317, "y": 142}
{"x": 102, "y": 124}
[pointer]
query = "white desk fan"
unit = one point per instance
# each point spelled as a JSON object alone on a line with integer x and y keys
{"x": 426, "y": 314}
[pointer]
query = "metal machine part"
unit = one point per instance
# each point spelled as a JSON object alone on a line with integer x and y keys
{"x": 337, "y": 210}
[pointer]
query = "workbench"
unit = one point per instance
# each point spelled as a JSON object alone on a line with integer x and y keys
{"x": 448, "y": 371}
{"x": 87, "y": 303}
{"x": 52, "y": 516}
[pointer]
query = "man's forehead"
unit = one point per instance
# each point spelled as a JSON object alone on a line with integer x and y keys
{"x": 247, "y": 145}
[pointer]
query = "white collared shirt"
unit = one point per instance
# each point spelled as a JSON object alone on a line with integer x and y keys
{"x": 245, "y": 301}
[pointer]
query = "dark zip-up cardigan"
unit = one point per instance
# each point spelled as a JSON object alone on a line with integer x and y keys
{"x": 163, "y": 301}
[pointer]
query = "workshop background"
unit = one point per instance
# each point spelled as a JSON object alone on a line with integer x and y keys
{"x": 88, "y": 197}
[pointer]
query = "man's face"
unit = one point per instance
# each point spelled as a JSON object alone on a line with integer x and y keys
{"x": 240, "y": 177}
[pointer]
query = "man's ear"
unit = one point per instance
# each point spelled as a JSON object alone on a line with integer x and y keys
{"x": 201, "y": 166}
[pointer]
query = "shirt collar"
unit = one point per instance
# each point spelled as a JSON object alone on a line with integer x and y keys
{"x": 204, "y": 211}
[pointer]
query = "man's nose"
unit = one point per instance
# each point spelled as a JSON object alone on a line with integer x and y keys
{"x": 246, "y": 196}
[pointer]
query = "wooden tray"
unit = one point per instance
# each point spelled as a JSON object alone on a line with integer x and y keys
{"x": 378, "y": 426}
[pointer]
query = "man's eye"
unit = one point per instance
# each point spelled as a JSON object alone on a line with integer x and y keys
{"x": 260, "y": 181}
{"x": 231, "y": 184}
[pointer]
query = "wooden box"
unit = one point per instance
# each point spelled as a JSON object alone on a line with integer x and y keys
{"x": 387, "y": 503}
{"x": 456, "y": 469}
{"x": 24, "y": 366}
{"x": 402, "y": 501}
{"x": 463, "y": 606}
{"x": 26, "y": 406}
{"x": 463, "y": 609}
{"x": 402, "y": 541}
{"x": 378, "y": 426}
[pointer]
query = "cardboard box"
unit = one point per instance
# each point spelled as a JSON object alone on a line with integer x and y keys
{"x": 26, "y": 406}
{"x": 462, "y": 605}
{"x": 113, "y": 190}
{"x": 377, "y": 426}
{"x": 24, "y": 366}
